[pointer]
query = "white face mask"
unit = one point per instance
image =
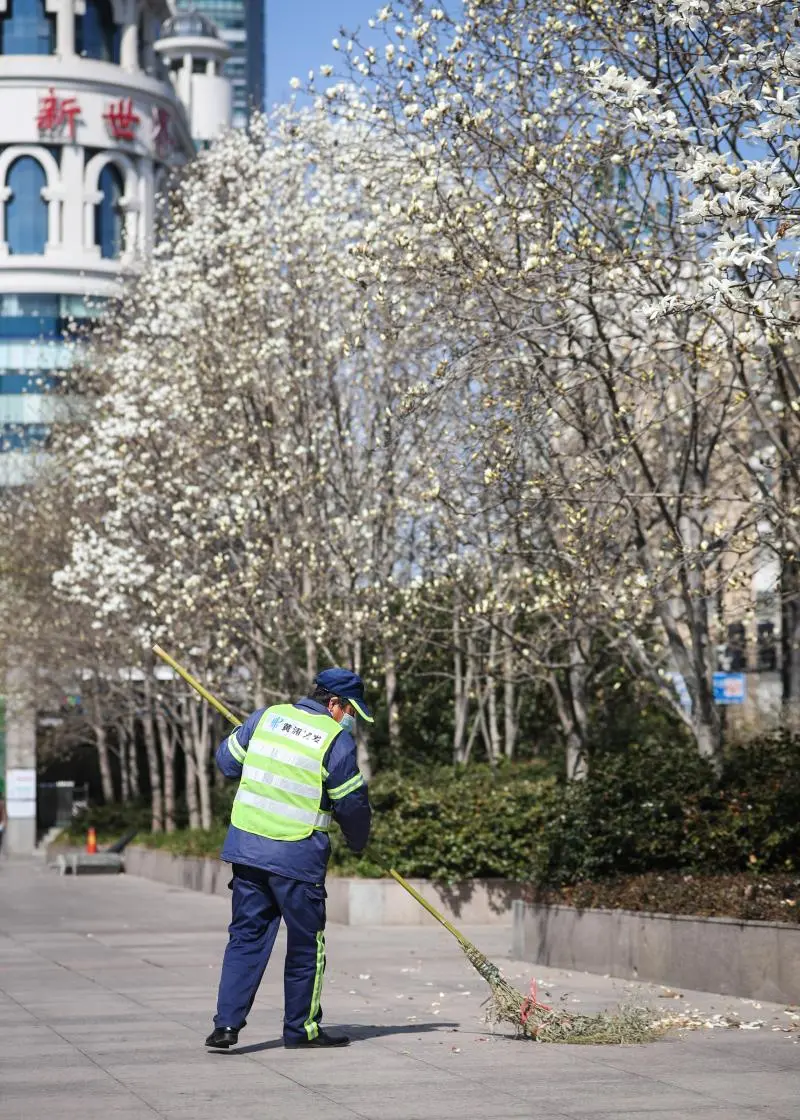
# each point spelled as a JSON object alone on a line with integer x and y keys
{"x": 348, "y": 723}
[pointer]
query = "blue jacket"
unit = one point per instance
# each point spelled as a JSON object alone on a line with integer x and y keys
{"x": 306, "y": 859}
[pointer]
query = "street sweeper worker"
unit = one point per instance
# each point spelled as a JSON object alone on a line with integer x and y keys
{"x": 297, "y": 769}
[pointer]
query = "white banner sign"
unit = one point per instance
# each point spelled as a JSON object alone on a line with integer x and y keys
{"x": 21, "y": 794}
{"x": 20, "y": 785}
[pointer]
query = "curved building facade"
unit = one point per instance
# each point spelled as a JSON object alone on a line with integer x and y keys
{"x": 100, "y": 100}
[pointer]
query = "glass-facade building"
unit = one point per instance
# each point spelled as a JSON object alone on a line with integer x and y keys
{"x": 34, "y": 346}
{"x": 242, "y": 24}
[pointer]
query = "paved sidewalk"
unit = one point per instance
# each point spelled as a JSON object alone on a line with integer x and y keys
{"x": 107, "y": 988}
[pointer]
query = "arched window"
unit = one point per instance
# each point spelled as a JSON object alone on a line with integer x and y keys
{"x": 26, "y": 28}
{"x": 96, "y": 34}
{"x": 109, "y": 220}
{"x": 26, "y": 210}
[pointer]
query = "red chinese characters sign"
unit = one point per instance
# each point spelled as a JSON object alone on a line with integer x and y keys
{"x": 58, "y": 115}
{"x": 121, "y": 120}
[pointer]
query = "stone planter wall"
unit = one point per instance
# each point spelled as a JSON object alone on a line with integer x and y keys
{"x": 754, "y": 960}
{"x": 354, "y": 902}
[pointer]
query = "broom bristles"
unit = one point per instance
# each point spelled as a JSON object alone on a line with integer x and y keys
{"x": 537, "y": 1021}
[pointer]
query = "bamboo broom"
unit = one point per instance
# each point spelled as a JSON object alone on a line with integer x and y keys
{"x": 506, "y": 1004}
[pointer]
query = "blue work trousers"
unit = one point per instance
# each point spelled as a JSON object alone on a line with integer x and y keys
{"x": 260, "y": 900}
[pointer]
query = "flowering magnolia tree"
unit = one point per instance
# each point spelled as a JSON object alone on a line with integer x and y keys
{"x": 245, "y": 483}
{"x": 712, "y": 91}
{"x": 561, "y": 239}
{"x": 482, "y": 368}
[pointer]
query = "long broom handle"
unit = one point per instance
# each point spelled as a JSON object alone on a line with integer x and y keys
{"x": 434, "y": 913}
{"x": 187, "y": 676}
{"x": 220, "y": 707}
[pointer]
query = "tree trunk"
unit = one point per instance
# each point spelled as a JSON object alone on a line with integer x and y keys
{"x": 491, "y": 695}
{"x": 577, "y": 763}
{"x": 198, "y": 719}
{"x": 167, "y": 740}
{"x": 136, "y": 788}
{"x": 482, "y": 722}
{"x": 578, "y": 679}
{"x": 154, "y": 772}
{"x": 485, "y": 692}
{"x": 790, "y": 639}
{"x": 790, "y": 564}
{"x": 362, "y": 755}
{"x": 308, "y": 630}
{"x": 509, "y": 698}
{"x": 695, "y": 602}
{"x": 706, "y": 723}
{"x": 124, "y": 768}
{"x": 460, "y": 687}
{"x": 392, "y": 707}
{"x": 104, "y": 760}
{"x": 362, "y": 749}
{"x": 192, "y": 803}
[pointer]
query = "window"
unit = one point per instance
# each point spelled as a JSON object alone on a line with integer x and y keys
{"x": 31, "y": 354}
{"x": 26, "y": 210}
{"x": 12, "y": 306}
{"x": 109, "y": 220}
{"x": 26, "y": 28}
{"x": 96, "y": 34}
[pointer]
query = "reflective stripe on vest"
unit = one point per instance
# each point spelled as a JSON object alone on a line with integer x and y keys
{"x": 268, "y": 805}
{"x": 280, "y": 792}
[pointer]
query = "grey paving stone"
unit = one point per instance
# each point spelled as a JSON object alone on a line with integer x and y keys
{"x": 107, "y": 989}
{"x": 658, "y": 1113}
{"x": 740, "y": 1088}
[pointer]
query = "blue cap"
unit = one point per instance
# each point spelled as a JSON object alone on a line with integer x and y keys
{"x": 346, "y": 685}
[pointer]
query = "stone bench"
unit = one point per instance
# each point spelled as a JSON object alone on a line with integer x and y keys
{"x": 82, "y": 863}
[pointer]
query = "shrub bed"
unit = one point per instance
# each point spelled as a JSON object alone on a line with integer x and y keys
{"x": 747, "y": 896}
{"x": 450, "y": 825}
{"x": 657, "y": 808}
{"x": 188, "y": 842}
{"x": 651, "y": 828}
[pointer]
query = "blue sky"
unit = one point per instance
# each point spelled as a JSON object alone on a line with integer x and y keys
{"x": 299, "y": 34}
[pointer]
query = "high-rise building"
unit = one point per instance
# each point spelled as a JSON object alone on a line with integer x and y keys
{"x": 99, "y": 101}
{"x": 242, "y": 24}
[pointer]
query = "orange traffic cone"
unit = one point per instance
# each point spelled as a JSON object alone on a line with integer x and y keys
{"x": 91, "y": 842}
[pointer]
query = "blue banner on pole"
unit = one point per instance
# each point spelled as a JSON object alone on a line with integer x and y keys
{"x": 730, "y": 688}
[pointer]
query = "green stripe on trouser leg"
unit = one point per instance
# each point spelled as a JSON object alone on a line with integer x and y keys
{"x": 311, "y": 1025}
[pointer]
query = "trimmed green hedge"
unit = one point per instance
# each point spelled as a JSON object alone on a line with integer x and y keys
{"x": 453, "y": 825}
{"x": 650, "y": 808}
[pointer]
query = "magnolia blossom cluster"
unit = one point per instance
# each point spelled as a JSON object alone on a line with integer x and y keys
{"x": 245, "y": 480}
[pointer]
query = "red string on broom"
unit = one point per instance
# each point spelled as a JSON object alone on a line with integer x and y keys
{"x": 531, "y": 1004}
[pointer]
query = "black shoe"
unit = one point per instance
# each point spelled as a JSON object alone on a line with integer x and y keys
{"x": 222, "y": 1038}
{"x": 322, "y": 1040}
